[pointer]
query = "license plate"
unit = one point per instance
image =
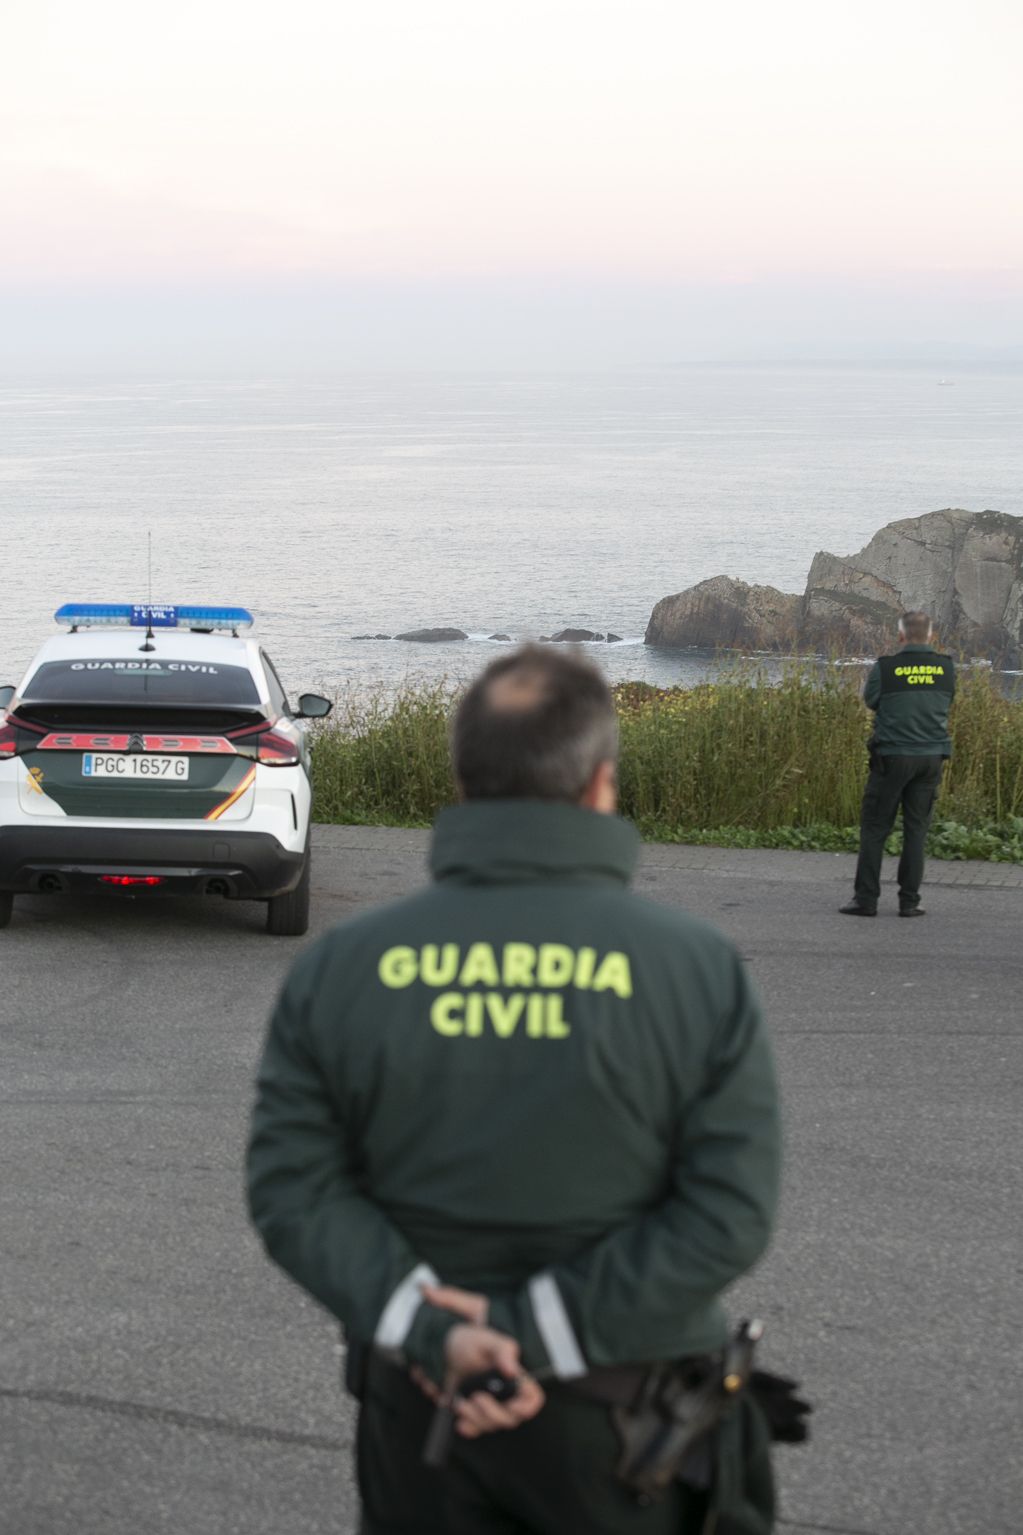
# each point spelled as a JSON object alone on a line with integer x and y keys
{"x": 134, "y": 765}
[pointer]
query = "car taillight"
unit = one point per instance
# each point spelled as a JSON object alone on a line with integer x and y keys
{"x": 277, "y": 749}
{"x": 8, "y": 738}
{"x": 131, "y": 879}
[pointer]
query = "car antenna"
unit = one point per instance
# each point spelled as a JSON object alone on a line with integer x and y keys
{"x": 149, "y": 608}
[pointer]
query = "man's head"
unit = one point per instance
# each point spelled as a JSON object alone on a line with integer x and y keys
{"x": 915, "y": 628}
{"x": 538, "y": 724}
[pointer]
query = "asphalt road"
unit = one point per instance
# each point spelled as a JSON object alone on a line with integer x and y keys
{"x": 156, "y": 1375}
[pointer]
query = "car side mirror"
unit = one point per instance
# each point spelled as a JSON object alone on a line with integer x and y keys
{"x": 312, "y": 707}
{"x": 6, "y": 694}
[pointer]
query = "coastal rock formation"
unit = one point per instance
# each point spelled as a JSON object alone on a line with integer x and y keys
{"x": 726, "y": 612}
{"x": 371, "y": 636}
{"x": 499, "y": 636}
{"x": 572, "y": 637}
{"x": 964, "y": 568}
{"x": 432, "y": 636}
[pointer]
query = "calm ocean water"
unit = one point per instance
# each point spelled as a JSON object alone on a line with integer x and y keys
{"x": 355, "y": 504}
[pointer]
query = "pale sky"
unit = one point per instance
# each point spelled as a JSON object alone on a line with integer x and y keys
{"x": 867, "y": 150}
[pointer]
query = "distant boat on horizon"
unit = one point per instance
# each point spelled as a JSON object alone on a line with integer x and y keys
{"x": 945, "y": 382}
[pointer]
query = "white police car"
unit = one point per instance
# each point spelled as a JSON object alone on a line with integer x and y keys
{"x": 153, "y": 749}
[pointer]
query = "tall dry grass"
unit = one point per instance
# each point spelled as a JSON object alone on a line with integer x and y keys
{"x": 738, "y": 752}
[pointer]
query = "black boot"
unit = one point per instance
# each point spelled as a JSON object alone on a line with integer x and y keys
{"x": 855, "y": 909}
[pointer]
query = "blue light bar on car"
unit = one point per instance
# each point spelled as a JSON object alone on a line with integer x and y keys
{"x": 215, "y": 618}
{"x": 155, "y": 615}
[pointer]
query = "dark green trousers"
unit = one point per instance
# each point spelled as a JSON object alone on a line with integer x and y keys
{"x": 552, "y": 1476}
{"x": 909, "y": 782}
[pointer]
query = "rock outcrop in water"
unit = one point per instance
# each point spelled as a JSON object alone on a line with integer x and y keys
{"x": 579, "y": 637}
{"x": 726, "y": 612}
{"x": 445, "y": 636}
{"x": 964, "y": 568}
{"x": 432, "y": 636}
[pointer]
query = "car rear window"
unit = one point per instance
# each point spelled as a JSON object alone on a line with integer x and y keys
{"x": 153, "y": 681}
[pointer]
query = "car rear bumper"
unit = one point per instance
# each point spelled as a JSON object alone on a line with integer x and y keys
{"x": 245, "y": 865}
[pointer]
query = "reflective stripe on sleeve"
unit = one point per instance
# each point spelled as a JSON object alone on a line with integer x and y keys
{"x": 399, "y": 1312}
{"x": 555, "y": 1328}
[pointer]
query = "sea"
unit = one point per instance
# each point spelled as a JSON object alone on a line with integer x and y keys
{"x": 512, "y": 504}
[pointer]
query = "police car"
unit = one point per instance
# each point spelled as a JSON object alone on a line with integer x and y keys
{"x": 152, "y": 749}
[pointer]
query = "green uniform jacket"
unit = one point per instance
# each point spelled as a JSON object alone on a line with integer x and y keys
{"x": 527, "y": 1081}
{"x": 912, "y": 693}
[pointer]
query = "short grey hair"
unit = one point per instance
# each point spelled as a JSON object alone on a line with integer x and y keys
{"x": 534, "y": 725}
{"x": 916, "y": 625}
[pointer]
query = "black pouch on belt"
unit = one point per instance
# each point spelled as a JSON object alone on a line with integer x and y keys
{"x": 667, "y": 1430}
{"x": 707, "y": 1421}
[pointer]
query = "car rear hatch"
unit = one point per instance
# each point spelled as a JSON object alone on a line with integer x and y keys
{"x": 154, "y": 740}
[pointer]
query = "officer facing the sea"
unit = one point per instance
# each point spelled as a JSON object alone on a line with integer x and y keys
{"x": 911, "y": 693}
{"x": 532, "y": 1085}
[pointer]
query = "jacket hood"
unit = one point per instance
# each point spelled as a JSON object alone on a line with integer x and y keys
{"x": 505, "y": 841}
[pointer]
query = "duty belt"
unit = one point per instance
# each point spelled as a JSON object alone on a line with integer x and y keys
{"x": 665, "y": 1413}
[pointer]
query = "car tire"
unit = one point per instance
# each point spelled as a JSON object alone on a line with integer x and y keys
{"x": 6, "y": 907}
{"x": 287, "y": 916}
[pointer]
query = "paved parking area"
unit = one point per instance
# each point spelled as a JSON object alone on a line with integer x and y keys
{"x": 156, "y": 1375}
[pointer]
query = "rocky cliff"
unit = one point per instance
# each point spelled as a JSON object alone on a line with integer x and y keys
{"x": 964, "y": 568}
{"x": 723, "y": 611}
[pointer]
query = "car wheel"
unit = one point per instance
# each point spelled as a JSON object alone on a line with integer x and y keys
{"x": 287, "y": 916}
{"x": 6, "y": 907}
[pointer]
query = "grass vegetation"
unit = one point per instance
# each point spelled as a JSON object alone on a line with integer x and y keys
{"x": 737, "y": 762}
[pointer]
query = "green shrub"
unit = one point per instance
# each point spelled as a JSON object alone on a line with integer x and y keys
{"x": 382, "y": 758}
{"x": 739, "y": 752}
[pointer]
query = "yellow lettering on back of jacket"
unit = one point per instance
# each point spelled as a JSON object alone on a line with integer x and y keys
{"x": 514, "y": 966}
{"x": 534, "y": 976}
{"x": 538, "y": 1014}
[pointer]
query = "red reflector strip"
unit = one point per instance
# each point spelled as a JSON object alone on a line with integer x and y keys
{"x": 131, "y": 879}
{"x": 206, "y": 746}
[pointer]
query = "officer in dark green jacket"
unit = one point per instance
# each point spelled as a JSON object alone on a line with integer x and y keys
{"x": 911, "y": 693}
{"x": 529, "y": 1083}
